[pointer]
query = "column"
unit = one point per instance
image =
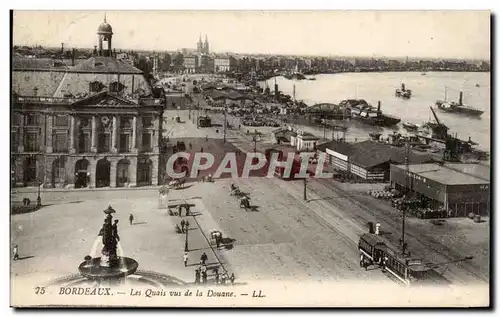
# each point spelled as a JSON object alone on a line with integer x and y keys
{"x": 114, "y": 134}
{"x": 156, "y": 134}
{"x": 132, "y": 172}
{"x": 154, "y": 173}
{"x": 133, "y": 147}
{"x": 49, "y": 161}
{"x": 92, "y": 171}
{"x": 49, "y": 135}
{"x": 112, "y": 172}
{"x": 93, "y": 146}
{"x": 72, "y": 128}
{"x": 20, "y": 146}
{"x": 70, "y": 172}
{"x": 138, "y": 140}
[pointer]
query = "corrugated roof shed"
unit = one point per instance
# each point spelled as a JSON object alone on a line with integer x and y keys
{"x": 444, "y": 175}
{"x": 370, "y": 153}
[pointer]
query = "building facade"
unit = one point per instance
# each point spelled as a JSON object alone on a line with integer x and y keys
{"x": 190, "y": 64}
{"x": 224, "y": 64}
{"x": 93, "y": 125}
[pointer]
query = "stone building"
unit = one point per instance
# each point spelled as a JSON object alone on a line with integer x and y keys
{"x": 93, "y": 125}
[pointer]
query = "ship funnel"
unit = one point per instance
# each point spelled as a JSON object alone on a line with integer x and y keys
{"x": 378, "y": 106}
{"x": 460, "y": 98}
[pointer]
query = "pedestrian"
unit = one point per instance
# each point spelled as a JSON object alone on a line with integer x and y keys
{"x": 206, "y": 138}
{"x": 197, "y": 276}
{"x": 15, "y": 252}
{"x": 201, "y": 150}
{"x": 188, "y": 209}
{"x": 216, "y": 277}
{"x": 203, "y": 268}
{"x": 185, "y": 258}
{"x": 183, "y": 223}
{"x": 203, "y": 258}
{"x": 204, "y": 277}
{"x": 217, "y": 240}
{"x": 223, "y": 279}
{"x": 131, "y": 219}
{"x": 179, "y": 210}
{"x": 232, "y": 278}
{"x": 187, "y": 225}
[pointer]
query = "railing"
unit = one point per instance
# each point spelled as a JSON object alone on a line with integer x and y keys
{"x": 50, "y": 100}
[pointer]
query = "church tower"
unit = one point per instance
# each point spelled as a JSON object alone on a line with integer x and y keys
{"x": 199, "y": 46}
{"x": 104, "y": 35}
{"x": 205, "y": 46}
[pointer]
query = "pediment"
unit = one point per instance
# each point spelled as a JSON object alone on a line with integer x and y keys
{"x": 105, "y": 100}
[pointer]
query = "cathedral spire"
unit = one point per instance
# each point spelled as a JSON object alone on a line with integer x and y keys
{"x": 104, "y": 17}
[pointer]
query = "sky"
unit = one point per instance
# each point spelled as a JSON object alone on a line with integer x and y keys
{"x": 432, "y": 34}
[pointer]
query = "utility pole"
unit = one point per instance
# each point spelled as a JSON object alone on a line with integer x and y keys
{"x": 225, "y": 121}
{"x": 407, "y": 190}
{"x": 305, "y": 188}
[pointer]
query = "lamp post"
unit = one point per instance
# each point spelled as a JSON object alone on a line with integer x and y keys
{"x": 38, "y": 198}
{"x": 305, "y": 189}
{"x": 186, "y": 247}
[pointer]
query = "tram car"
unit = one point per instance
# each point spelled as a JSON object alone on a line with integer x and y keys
{"x": 376, "y": 250}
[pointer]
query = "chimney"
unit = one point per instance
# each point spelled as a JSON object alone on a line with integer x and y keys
{"x": 73, "y": 57}
{"x": 378, "y": 107}
{"x": 460, "y": 98}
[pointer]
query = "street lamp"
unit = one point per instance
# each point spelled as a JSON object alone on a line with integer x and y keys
{"x": 186, "y": 247}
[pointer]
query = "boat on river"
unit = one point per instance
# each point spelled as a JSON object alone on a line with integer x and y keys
{"x": 410, "y": 126}
{"x": 360, "y": 110}
{"x": 457, "y": 107}
{"x": 403, "y": 92}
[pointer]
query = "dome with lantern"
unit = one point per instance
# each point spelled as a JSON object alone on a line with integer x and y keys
{"x": 105, "y": 28}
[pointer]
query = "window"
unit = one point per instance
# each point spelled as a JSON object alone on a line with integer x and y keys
{"x": 123, "y": 146}
{"x": 104, "y": 142}
{"x": 32, "y": 119}
{"x": 96, "y": 86}
{"x": 13, "y": 141}
{"x": 116, "y": 87}
{"x": 16, "y": 119}
{"x": 62, "y": 121}
{"x": 146, "y": 141}
{"x": 147, "y": 122}
{"x": 60, "y": 142}
{"x": 84, "y": 143}
{"x": 32, "y": 144}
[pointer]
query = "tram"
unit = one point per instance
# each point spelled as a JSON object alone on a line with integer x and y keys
{"x": 376, "y": 250}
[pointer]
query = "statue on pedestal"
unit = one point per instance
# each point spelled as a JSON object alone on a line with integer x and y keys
{"x": 110, "y": 238}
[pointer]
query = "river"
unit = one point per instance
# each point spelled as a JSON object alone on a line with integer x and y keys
{"x": 426, "y": 89}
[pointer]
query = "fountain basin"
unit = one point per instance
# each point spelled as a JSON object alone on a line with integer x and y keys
{"x": 92, "y": 269}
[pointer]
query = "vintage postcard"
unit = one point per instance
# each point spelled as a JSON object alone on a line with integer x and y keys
{"x": 250, "y": 159}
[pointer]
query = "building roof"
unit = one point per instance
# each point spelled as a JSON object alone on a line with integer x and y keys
{"x": 370, "y": 153}
{"x": 444, "y": 175}
{"x": 307, "y": 136}
{"x": 30, "y": 74}
{"x": 105, "y": 64}
{"x": 477, "y": 170}
{"x": 23, "y": 63}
